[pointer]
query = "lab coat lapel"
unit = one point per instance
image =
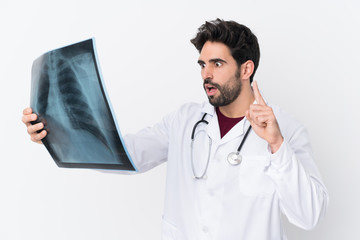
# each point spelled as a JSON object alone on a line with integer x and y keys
{"x": 236, "y": 131}
{"x": 212, "y": 128}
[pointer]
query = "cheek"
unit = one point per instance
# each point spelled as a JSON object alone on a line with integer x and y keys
{"x": 222, "y": 76}
{"x": 202, "y": 73}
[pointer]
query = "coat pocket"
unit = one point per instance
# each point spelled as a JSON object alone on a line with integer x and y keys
{"x": 252, "y": 180}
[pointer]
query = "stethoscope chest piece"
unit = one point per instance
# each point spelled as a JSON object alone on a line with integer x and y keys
{"x": 234, "y": 158}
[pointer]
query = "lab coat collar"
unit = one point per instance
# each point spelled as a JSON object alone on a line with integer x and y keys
{"x": 208, "y": 108}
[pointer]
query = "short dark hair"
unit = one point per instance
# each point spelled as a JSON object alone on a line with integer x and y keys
{"x": 242, "y": 42}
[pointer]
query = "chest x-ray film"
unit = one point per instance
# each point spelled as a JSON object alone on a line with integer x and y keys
{"x": 69, "y": 96}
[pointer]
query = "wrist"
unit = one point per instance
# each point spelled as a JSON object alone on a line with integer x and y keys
{"x": 276, "y": 145}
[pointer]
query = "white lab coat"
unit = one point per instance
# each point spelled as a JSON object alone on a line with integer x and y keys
{"x": 242, "y": 202}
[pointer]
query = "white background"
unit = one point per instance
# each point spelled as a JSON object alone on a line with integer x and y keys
{"x": 309, "y": 66}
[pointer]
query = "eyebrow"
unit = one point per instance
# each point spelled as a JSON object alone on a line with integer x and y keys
{"x": 212, "y": 60}
{"x": 200, "y": 62}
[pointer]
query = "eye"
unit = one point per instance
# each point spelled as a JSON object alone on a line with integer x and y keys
{"x": 202, "y": 65}
{"x": 218, "y": 64}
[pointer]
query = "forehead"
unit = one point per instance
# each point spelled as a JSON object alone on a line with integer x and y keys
{"x": 212, "y": 50}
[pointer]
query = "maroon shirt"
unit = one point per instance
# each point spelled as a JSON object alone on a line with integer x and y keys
{"x": 226, "y": 123}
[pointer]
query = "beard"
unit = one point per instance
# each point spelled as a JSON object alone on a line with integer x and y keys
{"x": 228, "y": 92}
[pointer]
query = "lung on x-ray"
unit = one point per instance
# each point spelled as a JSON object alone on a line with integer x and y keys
{"x": 69, "y": 97}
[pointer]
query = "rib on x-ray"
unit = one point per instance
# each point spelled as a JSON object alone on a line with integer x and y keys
{"x": 69, "y": 97}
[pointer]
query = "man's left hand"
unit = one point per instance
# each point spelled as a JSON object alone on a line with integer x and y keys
{"x": 263, "y": 121}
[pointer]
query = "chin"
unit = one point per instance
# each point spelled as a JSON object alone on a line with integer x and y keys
{"x": 212, "y": 102}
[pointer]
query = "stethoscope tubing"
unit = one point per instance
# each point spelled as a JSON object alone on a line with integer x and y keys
{"x": 243, "y": 141}
{"x": 196, "y": 124}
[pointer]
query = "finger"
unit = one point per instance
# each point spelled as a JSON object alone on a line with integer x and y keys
{"x": 27, "y": 111}
{"x": 254, "y": 121}
{"x": 37, "y": 137}
{"x": 260, "y": 124}
{"x": 34, "y": 128}
{"x": 259, "y": 117}
{"x": 259, "y": 99}
{"x": 28, "y": 118}
{"x": 249, "y": 117}
{"x": 257, "y": 110}
{"x": 260, "y": 108}
{"x": 261, "y": 120}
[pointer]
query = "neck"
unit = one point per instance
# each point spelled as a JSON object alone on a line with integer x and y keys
{"x": 241, "y": 104}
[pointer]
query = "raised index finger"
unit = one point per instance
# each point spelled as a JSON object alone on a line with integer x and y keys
{"x": 259, "y": 99}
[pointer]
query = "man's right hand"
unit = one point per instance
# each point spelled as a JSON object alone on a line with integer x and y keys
{"x": 27, "y": 118}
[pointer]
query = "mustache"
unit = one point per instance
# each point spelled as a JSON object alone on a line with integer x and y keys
{"x": 209, "y": 81}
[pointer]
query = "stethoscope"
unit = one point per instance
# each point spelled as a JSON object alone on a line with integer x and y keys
{"x": 234, "y": 158}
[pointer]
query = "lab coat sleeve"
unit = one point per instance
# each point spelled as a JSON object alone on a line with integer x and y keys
{"x": 302, "y": 194}
{"x": 149, "y": 147}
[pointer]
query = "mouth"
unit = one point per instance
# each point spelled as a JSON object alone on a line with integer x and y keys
{"x": 210, "y": 89}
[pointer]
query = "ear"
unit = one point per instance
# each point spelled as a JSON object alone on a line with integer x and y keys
{"x": 246, "y": 69}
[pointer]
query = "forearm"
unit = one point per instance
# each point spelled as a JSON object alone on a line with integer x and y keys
{"x": 303, "y": 197}
{"x": 147, "y": 149}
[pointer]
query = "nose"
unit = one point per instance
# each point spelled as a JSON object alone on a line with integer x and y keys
{"x": 206, "y": 73}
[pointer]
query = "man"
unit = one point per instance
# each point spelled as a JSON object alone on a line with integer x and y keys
{"x": 225, "y": 179}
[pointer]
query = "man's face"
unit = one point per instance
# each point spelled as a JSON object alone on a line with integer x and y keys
{"x": 220, "y": 73}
